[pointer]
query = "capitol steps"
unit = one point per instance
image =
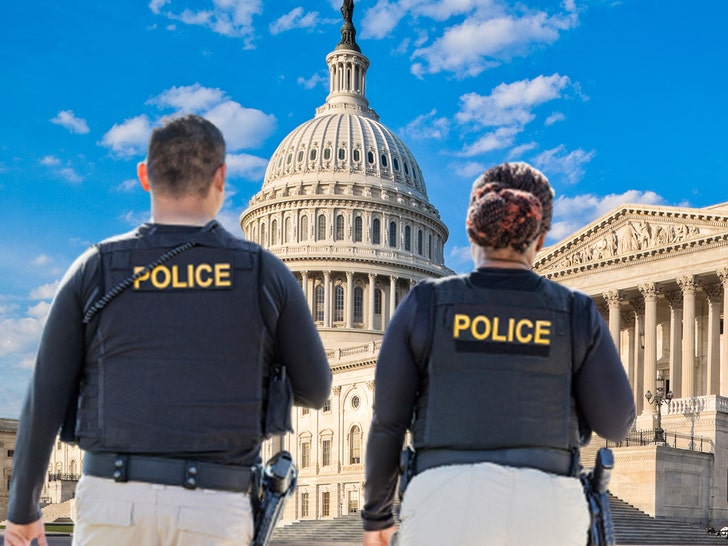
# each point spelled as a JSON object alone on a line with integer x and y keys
{"x": 632, "y": 527}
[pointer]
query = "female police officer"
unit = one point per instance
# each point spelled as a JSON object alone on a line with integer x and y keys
{"x": 500, "y": 375}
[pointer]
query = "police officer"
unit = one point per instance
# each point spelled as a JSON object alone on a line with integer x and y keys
{"x": 168, "y": 374}
{"x": 500, "y": 375}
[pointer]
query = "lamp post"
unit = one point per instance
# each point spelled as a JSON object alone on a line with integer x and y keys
{"x": 658, "y": 399}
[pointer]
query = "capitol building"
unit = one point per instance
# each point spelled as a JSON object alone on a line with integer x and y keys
{"x": 344, "y": 205}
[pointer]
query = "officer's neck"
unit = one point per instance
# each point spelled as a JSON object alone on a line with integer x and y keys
{"x": 184, "y": 211}
{"x": 501, "y": 258}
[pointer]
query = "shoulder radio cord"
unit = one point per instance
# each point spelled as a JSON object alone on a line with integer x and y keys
{"x": 126, "y": 283}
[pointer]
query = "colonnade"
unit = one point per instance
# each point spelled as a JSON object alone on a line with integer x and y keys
{"x": 682, "y": 315}
{"x": 350, "y": 299}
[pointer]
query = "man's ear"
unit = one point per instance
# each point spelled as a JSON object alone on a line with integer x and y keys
{"x": 142, "y": 175}
{"x": 541, "y": 242}
{"x": 219, "y": 178}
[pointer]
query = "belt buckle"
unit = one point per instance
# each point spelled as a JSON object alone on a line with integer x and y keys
{"x": 192, "y": 470}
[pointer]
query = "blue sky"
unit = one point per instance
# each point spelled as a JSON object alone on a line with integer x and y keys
{"x": 615, "y": 101}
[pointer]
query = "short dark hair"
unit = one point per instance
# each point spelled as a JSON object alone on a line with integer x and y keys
{"x": 183, "y": 155}
{"x": 510, "y": 206}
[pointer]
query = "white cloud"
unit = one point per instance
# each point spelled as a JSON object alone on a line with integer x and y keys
{"x": 469, "y": 169}
{"x": 573, "y": 213}
{"x": 39, "y": 310}
{"x": 42, "y": 259}
{"x": 460, "y": 258}
{"x": 428, "y": 126}
{"x": 246, "y": 166}
{"x": 157, "y": 5}
{"x": 130, "y": 137}
{"x": 233, "y": 18}
{"x": 511, "y": 103}
{"x": 478, "y": 43}
{"x": 381, "y": 19}
{"x": 554, "y": 118}
{"x": 242, "y": 127}
{"x": 230, "y": 220}
{"x": 19, "y": 336}
{"x": 189, "y": 98}
{"x": 50, "y": 161}
{"x": 67, "y": 173}
{"x": 44, "y": 292}
{"x": 313, "y": 81}
{"x": 518, "y": 151}
{"x": 67, "y": 119}
{"x": 128, "y": 185}
{"x": 502, "y": 137}
{"x": 558, "y": 161}
{"x": 294, "y": 19}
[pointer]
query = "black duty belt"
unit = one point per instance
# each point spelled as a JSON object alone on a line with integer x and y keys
{"x": 555, "y": 461}
{"x": 161, "y": 470}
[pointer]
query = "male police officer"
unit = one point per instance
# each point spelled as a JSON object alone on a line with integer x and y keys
{"x": 169, "y": 370}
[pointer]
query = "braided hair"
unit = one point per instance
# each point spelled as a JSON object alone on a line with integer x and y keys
{"x": 510, "y": 206}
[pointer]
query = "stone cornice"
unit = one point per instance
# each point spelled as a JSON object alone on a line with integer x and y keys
{"x": 634, "y": 233}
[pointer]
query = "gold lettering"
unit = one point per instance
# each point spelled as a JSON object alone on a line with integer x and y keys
{"x": 164, "y": 283}
{"x": 542, "y": 332}
{"x": 520, "y": 336}
{"x": 175, "y": 278}
{"x": 222, "y": 274}
{"x": 462, "y": 322}
{"x": 207, "y": 281}
{"x": 497, "y": 336}
{"x": 486, "y": 327}
{"x": 144, "y": 277}
{"x": 191, "y": 275}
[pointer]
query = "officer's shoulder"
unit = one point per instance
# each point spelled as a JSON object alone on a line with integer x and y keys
{"x": 576, "y": 295}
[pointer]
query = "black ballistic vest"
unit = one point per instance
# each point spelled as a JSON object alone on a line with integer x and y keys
{"x": 499, "y": 371}
{"x": 176, "y": 361}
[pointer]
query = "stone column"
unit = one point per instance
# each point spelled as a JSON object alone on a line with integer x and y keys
{"x": 349, "y": 298}
{"x": 714, "y": 292}
{"x": 304, "y": 287}
{"x": 688, "y": 286}
{"x": 327, "y": 299}
{"x": 723, "y": 276}
{"x": 392, "y": 296}
{"x": 675, "y": 299}
{"x": 639, "y": 376}
{"x": 627, "y": 354}
{"x": 371, "y": 301}
{"x": 649, "y": 292}
{"x": 614, "y": 299}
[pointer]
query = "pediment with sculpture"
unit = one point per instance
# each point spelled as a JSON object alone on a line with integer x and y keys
{"x": 632, "y": 231}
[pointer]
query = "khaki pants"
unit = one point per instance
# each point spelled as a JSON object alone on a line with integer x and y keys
{"x": 142, "y": 514}
{"x": 491, "y": 505}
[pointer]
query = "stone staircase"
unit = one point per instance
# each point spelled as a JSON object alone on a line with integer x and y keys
{"x": 631, "y": 527}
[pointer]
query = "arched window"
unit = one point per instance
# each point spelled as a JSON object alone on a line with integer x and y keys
{"x": 321, "y": 235}
{"x": 319, "y": 311}
{"x": 312, "y": 154}
{"x": 377, "y": 302}
{"x": 339, "y": 303}
{"x": 355, "y": 445}
{"x": 376, "y": 231}
{"x": 327, "y": 153}
{"x": 407, "y": 238}
{"x": 342, "y": 153}
{"x": 358, "y": 304}
{"x": 339, "y": 235}
{"x": 304, "y": 228}
{"x": 356, "y": 154}
{"x": 370, "y": 157}
{"x": 419, "y": 242}
{"x": 384, "y": 161}
{"x": 357, "y": 229}
{"x": 274, "y": 232}
{"x": 429, "y": 245}
{"x": 263, "y": 240}
{"x": 393, "y": 234}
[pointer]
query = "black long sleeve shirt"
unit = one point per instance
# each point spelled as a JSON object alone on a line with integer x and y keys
{"x": 62, "y": 352}
{"x": 600, "y": 387}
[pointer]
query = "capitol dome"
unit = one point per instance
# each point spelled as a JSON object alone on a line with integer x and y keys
{"x": 344, "y": 205}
